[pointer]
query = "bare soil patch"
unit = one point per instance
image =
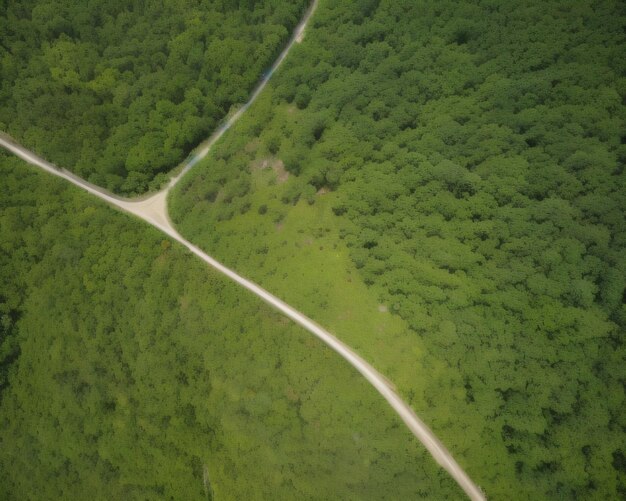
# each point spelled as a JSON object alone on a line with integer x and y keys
{"x": 276, "y": 164}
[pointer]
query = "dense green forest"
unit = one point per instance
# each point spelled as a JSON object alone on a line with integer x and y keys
{"x": 131, "y": 371}
{"x": 442, "y": 184}
{"x": 120, "y": 92}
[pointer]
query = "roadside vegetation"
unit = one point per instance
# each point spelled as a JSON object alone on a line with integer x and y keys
{"x": 442, "y": 185}
{"x": 129, "y": 370}
{"x": 119, "y": 92}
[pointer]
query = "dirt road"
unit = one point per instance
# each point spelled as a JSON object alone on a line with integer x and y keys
{"x": 154, "y": 211}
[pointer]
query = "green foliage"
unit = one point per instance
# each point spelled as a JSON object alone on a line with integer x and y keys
{"x": 139, "y": 373}
{"x": 474, "y": 157}
{"x": 119, "y": 92}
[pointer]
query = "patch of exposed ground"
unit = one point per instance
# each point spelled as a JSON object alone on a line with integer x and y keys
{"x": 276, "y": 164}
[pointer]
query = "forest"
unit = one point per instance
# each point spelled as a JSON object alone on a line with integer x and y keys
{"x": 442, "y": 184}
{"x": 439, "y": 183}
{"x": 128, "y": 370}
{"x": 120, "y": 92}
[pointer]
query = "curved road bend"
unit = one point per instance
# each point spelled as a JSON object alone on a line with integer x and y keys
{"x": 154, "y": 211}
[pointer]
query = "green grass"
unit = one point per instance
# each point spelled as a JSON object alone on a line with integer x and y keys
{"x": 296, "y": 252}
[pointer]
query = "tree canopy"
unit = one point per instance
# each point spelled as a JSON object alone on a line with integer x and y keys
{"x": 469, "y": 159}
{"x": 120, "y": 92}
{"x": 128, "y": 370}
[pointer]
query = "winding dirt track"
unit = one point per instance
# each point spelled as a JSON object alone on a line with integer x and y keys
{"x": 154, "y": 211}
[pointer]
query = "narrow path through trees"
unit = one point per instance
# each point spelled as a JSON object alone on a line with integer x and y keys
{"x": 154, "y": 211}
